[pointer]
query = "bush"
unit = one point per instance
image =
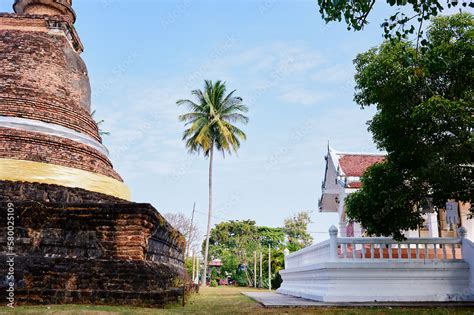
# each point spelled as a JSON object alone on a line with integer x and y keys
{"x": 213, "y": 283}
{"x": 276, "y": 281}
{"x": 214, "y": 274}
{"x": 240, "y": 279}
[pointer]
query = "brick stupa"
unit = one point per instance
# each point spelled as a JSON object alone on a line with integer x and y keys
{"x": 47, "y": 134}
{"x": 78, "y": 238}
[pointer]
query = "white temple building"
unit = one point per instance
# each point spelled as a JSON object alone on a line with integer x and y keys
{"x": 342, "y": 177}
{"x": 433, "y": 264}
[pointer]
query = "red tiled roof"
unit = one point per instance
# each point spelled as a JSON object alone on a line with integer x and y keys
{"x": 215, "y": 263}
{"x": 355, "y": 165}
{"x": 354, "y": 185}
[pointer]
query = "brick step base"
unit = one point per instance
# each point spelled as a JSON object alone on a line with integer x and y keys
{"x": 42, "y": 280}
{"x": 95, "y": 253}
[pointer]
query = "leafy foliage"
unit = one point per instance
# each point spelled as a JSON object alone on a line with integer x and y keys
{"x": 214, "y": 274}
{"x": 211, "y": 119}
{"x": 399, "y": 25}
{"x": 385, "y": 203}
{"x": 99, "y": 123}
{"x": 235, "y": 242}
{"x": 296, "y": 230}
{"x": 183, "y": 224}
{"x": 424, "y": 121}
{"x": 188, "y": 265}
{"x": 240, "y": 278}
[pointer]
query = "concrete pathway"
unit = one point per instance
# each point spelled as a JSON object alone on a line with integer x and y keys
{"x": 273, "y": 299}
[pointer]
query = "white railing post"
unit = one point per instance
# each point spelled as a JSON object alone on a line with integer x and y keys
{"x": 462, "y": 235}
{"x": 333, "y": 243}
{"x": 286, "y": 252}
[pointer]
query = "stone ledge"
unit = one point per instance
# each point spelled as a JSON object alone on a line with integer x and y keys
{"x": 277, "y": 300}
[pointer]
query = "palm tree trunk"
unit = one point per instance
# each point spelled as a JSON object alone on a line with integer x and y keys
{"x": 209, "y": 215}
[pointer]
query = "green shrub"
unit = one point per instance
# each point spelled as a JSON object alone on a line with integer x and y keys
{"x": 240, "y": 279}
{"x": 276, "y": 281}
{"x": 213, "y": 283}
{"x": 214, "y": 274}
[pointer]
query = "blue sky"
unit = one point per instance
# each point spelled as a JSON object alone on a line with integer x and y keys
{"x": 293, "y": 71}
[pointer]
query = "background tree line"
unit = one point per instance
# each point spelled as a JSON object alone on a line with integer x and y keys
{"x": 235, "y": 242}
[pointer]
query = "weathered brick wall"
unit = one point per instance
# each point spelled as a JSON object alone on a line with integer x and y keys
{"x": 41, "y": 9}
{"x": 44, "y": 80}
{"x": 33, "y": 146}
{"x": 26, "y": 22}
{"x": 22, "y": 191}
{"x": 40, "y": 23}
{"x": 75, "y": 119}
{"x": 83, "y": 281}
{"x": 92, "y": 253}
{"x": 93, "y": 230}
{"x": 46, "y": 7}
{"x": 45, "y": 69}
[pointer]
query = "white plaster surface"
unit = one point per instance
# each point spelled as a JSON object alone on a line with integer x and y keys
{"x": 365, "y": 281}
{"x": 52, "y": 129}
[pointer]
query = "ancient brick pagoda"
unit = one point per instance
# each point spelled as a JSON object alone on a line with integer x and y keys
{"x": 78, "y": 238}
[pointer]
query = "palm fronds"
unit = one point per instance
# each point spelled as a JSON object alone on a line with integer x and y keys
{"x": 210, "y": 122}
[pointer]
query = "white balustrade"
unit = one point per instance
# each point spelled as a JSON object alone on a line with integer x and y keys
{"x": 376, "y": 248}
{"x": 310, "y": 255}
{"x": 384, "y": 248}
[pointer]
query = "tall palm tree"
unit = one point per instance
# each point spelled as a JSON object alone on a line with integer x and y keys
{"x": 209, "y": 126}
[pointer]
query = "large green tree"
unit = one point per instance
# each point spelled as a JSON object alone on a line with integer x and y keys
{"x": 210, "y": 126}
{"x": 407, "y": 18}
{"x": 296, "y": 229}
{"x": 424, "y": 121}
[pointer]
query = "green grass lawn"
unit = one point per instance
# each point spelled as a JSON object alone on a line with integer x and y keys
{"x": 223, "y": 300}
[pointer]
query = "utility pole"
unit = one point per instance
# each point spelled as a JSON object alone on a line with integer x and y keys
{"x": 269, "y": 269}
{"x": 196, "y": 281}
{"x": 254, "y": 269}
{"x": 194, "y": 266}
{"x": 261, "y": 273}
{"x": 190, "y": 230}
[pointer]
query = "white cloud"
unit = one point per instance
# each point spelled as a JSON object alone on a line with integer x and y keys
{"x": 334, "y": 74}
{"x": 263, "y": 59}
{"x": 304, "y": 96}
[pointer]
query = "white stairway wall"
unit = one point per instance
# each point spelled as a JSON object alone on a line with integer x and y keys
{"x": 366, "y": 281}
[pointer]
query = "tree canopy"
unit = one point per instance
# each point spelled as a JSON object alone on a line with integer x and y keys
{"x": 355, "y": 13}
{"x": 424, "y": 121}
{"x": 296, "y": 229}
{"x": 183, "y": 224}
{"x": 211, "y": 119}
{"x": 235, "y": 242}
